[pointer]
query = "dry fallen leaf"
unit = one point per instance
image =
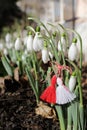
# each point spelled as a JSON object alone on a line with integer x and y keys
{"x": 45, "y": 111}
{"x": 2, "y": 86}
{"x": 16, "y": 74}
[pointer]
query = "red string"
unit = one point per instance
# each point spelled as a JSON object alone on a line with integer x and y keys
{"x": 62, "y": 67}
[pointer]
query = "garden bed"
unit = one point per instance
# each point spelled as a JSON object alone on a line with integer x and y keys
{"x": 17, "y": 109}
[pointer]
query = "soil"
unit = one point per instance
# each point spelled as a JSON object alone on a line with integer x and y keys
{"x": 17, "y": 107}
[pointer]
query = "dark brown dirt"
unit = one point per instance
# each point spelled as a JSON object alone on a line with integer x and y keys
{"x": 17, "y": 107}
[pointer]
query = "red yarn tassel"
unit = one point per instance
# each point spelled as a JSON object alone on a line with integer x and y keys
{"x": 49, "y": 95}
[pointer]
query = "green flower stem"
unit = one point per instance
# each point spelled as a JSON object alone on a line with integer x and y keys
{"x": 80, "y": 73}
{"x": 54, "y": 51}
{"x": 62, "y": 53}
{"x": 32, "y": 82}
{"x": 60, "y": 115}
{"x": 69, "y": 118}
{"x": 36, "y": 74}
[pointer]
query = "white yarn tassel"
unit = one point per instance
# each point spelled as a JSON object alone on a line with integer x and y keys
{"x": 63, "y": 95}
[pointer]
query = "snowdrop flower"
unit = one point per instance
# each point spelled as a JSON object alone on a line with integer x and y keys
{"x": 82, "y": 30}
{"x": 63, "y": 95}
{"x": 5, "y": 51}
{"x": 45, "y": 54}
{"x": 73, "y": 51}
{"x": 54, "y": 39}
{"x": 11, "y": 45}
{"x": 30, "y": 42}
{"x": 23, "y": 58}
{"x": 50, "y": 55}
{"x": 25, "y": 40}
{"x": 8, "y": 38}
{"x": 37, "y": 42}
{"x": 1, "y": 46}
{"x": 18, "y": 44}
{"x": 72, "y": 82}
{"x": 25, "y": 52}
{"x": 62, "y": 44}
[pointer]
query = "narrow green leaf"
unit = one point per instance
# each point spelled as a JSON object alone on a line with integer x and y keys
{"x": 7, "y": 65}
{"x": 61, "y": 117}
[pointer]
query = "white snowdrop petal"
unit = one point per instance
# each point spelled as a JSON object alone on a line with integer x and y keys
{"x": 18, "y": 44}
{"x": 30, "y": 43}
{"x": 23, "y": 58}
{"x": 45, "y": 55}
{"x": 64, "y": 46}
{"x": 35, "y": 43}
{"x": 82, "y": 30}
{"x": 72, "y": 83}
{"x": 11, "y": 45}
{"x": 25, "y": 52}
{"x": 50, "y": 55}
{"x": 25, "y": 40}
{"x": 40, "y": 43}
{"x": 1, "y": 46}
{"x": 8, "y": 37}
{"x": 73, "y": 52}
{"x": 5, "y": 51}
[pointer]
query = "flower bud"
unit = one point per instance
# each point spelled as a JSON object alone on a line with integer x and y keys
{"x": 45, "y": 54}
{"x": 35, "y": 43}
{"x": 18, "y": 44}
{"x": 8, "y": 38}
{"x": 1, "y": 46}
{"x": 30, "y": 43}
{"x": 63, "y": 46}
{"x": 72, "y": 83}
{"x": 5, "y": 51}
{"x": 38, "y": 42}
{"x": 73, "y": 52}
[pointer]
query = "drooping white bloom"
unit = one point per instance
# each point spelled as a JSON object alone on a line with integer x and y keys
{"x": 30, "y": 43}
{"x": 73, "y": 52}
{"x": 72, "y": 83}
{"x": 45, "y": 55}
{"x": 50, "y": 55}
{"x": 18, "y": 44}
{"x": 5, "y": 51}
{"x": 25, "y": 52}
{"x": 37, "y": 42}
{"x": 25, "y": 40}
{"x": 23, "y": 58}
{"x": 63, "y": 95}
{"x": 8, "y": 38}
{"x": 62, "y": 46}
{"x": 81, "y": 28}
{"x": 11, "y": 45}
{"x": 1, "y": 46}
{"x": 40, "y": 42}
